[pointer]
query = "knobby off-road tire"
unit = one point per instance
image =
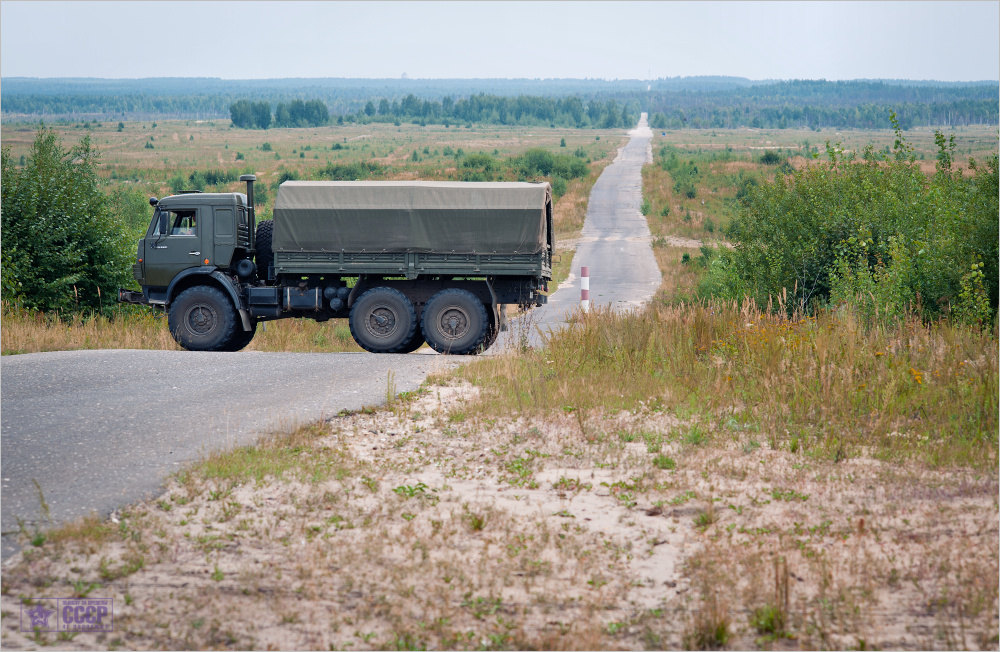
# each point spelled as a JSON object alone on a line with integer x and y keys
{"x": 265, "y": 256}
{"x": 241, "y": 337}
{"x": 455, "y": 321}
{"x": 383, "y": 321}
{"x": 202, "y": 318}
{"x": 415, "y": 343}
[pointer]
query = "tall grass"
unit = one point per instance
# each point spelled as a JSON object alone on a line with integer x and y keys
{"x": 825, "y": 383}
{"x": 26, "y": 331}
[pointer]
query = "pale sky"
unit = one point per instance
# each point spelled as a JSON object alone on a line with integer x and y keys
{"x": 947, "y": 41}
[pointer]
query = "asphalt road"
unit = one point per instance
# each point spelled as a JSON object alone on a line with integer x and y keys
{"x": 615, "y": 245}
{"x": 101, "y": 429}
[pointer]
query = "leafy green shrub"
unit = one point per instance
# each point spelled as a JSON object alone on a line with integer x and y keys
{"x": 196, "y": 181}
{"x": 64, "y": 247}
{"x": 770, "y": 157}
{"x": 540, "y": 162}
{"x": 484, "y": 161}
{"x": 287, "y": 175}
{"x": 877, "y": 235}
{"x": 353, "y": 171}
{"x": 176, "y": 183}
{"x": 558, "y": 187}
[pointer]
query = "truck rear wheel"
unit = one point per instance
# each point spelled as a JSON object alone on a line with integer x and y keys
{"x": 455, "y": 321}
{"x": 383, "y": 321}
{"x": 202, "y": 319}
{"x": 415, "y": 342}
{"x": 265, "y": 257}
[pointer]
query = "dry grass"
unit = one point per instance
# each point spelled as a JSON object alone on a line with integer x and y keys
{"x": 824, "y": 383}
{"x": 181, "y": 147}
{"x": 23, "y": 331}
{"x": 31, "y": 332}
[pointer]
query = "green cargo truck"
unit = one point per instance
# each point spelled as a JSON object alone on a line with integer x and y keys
{"x": 406, "y": 262}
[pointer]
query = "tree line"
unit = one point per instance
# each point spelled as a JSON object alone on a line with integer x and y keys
{"x": 297, "y": 113}
{"x": 701, "y": 102}
{"x": 864, "y": 116}
{"x": 479, "y": 109}
{"x": 817, "y": 104}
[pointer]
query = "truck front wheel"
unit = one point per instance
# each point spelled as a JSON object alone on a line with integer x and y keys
{"x": 454, "y": 321}
{"x": 202, "y": 319}
{"x": 242, "y": 338}
{"x": 383, "y": 321}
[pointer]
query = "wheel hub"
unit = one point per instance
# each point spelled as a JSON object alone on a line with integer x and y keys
{"x": 201, "y": 319}
{"x": 454, "y": 323}
{"x": 381, "y": 321}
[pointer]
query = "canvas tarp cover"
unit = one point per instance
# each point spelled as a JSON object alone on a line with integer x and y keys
{"x": 411, "y": 216}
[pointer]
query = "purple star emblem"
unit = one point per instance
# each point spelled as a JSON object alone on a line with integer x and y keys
{"x": 40, "y": 616}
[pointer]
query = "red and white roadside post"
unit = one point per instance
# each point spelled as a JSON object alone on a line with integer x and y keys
{"x": 585, "y": 289}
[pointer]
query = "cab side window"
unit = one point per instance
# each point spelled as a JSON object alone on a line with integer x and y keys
{"x": 184, "y": 223}
{"x": 179, "y": 222}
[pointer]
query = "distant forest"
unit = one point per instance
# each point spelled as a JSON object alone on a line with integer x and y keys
{"x": 693, "y": 102}
{"x": 479, "y": 109}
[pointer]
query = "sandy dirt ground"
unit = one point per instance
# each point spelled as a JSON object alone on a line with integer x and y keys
{"x": 421, "y": 526}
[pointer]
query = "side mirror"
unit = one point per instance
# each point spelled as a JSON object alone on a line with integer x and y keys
{"x": 163, "y": 223}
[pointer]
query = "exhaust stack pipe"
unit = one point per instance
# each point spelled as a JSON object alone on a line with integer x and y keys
{"x": 249, "y": 178}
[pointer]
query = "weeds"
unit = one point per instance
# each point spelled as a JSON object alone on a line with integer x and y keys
{"x": 818, "y": 375}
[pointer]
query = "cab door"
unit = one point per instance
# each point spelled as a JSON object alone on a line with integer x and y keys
{"x": 174, "y": 243}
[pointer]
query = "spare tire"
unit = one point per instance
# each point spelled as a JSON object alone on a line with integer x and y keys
{"x": 265, "y": 257}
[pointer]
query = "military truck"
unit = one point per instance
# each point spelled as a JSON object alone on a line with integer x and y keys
{"x": 405, "y": 261}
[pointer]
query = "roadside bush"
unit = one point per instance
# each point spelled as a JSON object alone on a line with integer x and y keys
{"x": 540, "y": 162}
{"x": 877, "y": 235}
{"x": 64, "y": 248}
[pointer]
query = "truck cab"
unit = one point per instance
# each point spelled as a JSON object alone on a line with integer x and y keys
{"x": 192, "y": 231}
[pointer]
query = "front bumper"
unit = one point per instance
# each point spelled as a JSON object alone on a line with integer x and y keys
{"x": 131, "y": 296}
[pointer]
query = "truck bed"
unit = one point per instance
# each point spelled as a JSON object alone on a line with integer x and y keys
{"x": 442, "y": 223}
